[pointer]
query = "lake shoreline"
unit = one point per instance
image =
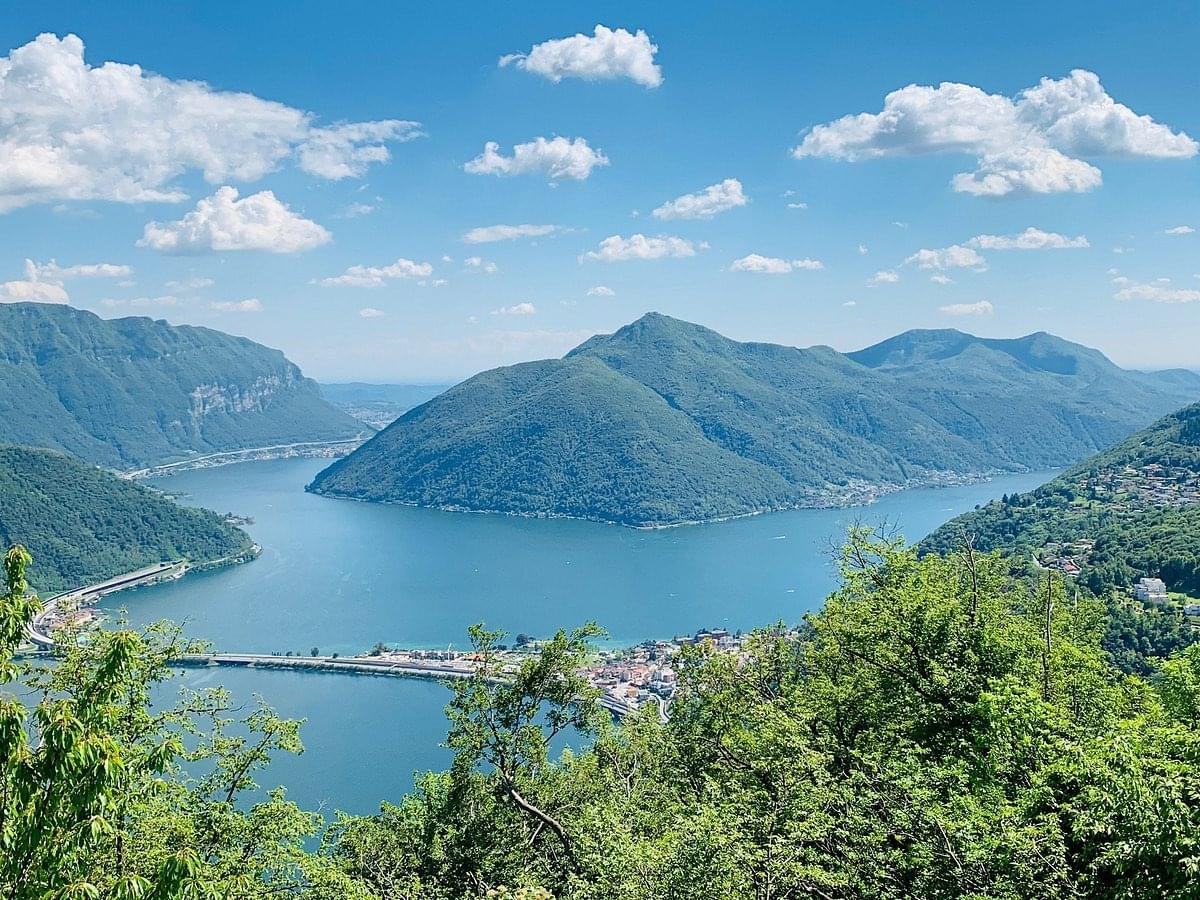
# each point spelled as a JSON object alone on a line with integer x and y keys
{"x": 864, "y": 497}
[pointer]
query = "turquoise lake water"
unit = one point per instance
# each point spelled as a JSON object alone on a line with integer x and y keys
{"x": 340, "y": 575}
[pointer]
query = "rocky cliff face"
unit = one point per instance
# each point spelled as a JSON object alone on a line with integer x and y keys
{"x": 132, "y": 392}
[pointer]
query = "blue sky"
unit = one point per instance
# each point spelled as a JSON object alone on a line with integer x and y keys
{"x": 90, "y": 157}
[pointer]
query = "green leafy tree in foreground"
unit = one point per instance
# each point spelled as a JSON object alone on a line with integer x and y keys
{"x": 94, "y": 802}
{"x": 938, "y": 730}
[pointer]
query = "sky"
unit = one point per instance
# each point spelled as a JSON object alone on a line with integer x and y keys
{"x": 403, "y": 192}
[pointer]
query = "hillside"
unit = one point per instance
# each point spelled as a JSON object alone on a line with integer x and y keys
{"x": 378, "y": 405}
{"x": 665, "y": 422}
{"x": 1129, "y": 512}
{"x": 84, "y": 525}
{"x": 134, "y": 391}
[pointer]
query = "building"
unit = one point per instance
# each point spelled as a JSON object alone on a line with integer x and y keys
{"x": 1150, "y": 590}
{"x": 1191, "y": 609}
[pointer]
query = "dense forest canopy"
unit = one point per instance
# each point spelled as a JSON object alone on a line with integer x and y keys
{"x": 938, "y": 730}
{"x": 85, "y": 525}
{"x": 1135, "y": 506}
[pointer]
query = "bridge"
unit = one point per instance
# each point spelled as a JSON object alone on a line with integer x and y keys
{"x": 40, "y": 633}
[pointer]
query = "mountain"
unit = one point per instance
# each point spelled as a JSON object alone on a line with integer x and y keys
{"x": 134, "y": 391}
{"x": 1130, "y": 512}
{"x": 84, "y": 525}
{"x": 378, "y": 405}
{"x": 665, "y": 421}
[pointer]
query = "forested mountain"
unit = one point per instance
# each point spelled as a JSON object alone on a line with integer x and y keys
{"x": 378, "y": 405}
{"x": 665, "y": 421}
{"x": 134, "y": 391}
{"x": 1131, "y": 511}
{"x": 84, "y": 525}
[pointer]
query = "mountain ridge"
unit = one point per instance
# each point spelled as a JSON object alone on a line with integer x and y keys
{"x": 808, "y": 427}
{"x": 135, "y": 391}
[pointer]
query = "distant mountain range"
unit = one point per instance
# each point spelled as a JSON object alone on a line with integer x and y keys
{"x": 85, "y": 525}
{"x": 134, "y": 391}
{"x": 665, "y": 421}
{"x": 1130, "y": 512}
{"x": 378, "y": 405}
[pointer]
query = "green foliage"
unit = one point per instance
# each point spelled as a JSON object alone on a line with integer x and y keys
{"x": 665, "y": 421}
{"x": 1134, "y": 536}
{"x": 939, "y": 730}
{"x": 131, "y": 392}
{"x": 84, "y": 525}
{"x": 94, "y": 799}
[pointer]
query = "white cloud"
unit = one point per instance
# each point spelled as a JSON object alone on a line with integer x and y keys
{"x": 377, "y": 276}
{"x": 716, "y": 198}
{"x": 52, "y": 271}
{"x": 1180, "y": 229}
{"x": 850, "y": 303}
{"x": 863, "y": 250}
{"x": 354, "y": 211}
{"x": 223, "y": 222}
{"x": 941, "y": 279}
{"x": 955, "y": 256}
{"x": 139, "y": 302}
{"x": 1029, "y": 239}
{"x": 1160, "y": 291}
{"x": 480, "y": 264}
{"x": 1122, "y": 250}
{"x": 519, "y": 309}
{"x": 637, "y": 246}
{"x": 800, "y": 204}
{"x": 190, "y": 284}
{"x": 982, "y": 308}
{"x": 556, "y": 159}
{"x": 606, "y": 54}
{"x": 43, "y": 282}
{"x": 370, "y": 312}
{"x": 887, "y": 276}
{"x": 71, "y": 131}
{"x": 489, "y": 233}
{"x": 772, "y": 265}
{"x": 1035, "y": 143}
{"x": 601, "y": 291}
{"x": 251, "y": 305}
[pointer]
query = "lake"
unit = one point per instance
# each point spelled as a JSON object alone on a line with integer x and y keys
{"x": 340, "y": 576}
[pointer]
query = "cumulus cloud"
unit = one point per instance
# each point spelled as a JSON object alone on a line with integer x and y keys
{"x": 637, "y": 246}
{"x": 1180, "y": 229}
{"x": 601, "y": 291}
{"x": 479, "y": 264}
{"x": 164, "y": 300}
{"x": 44, "y": 282}
{"x": 1034, "y": 143}
{"x": 955, "y": 256}
{"x": 487, "y": 234}
{"x": 1159, "y": 291}
{"x": 887, "y": 276}
{"x": 772, "y": 265}
{"x": 798, "y": 204}
{"x": 223, "y": 222}
{"x": 519, "y": 309}
{"x": 604, "y": 55}
{"x": 716, "y": 198}
{"x": 1029, "y": 239}
{"x": 982, "y": 308}
{"x": 377, "y": 276}
{"x": 252, "y": 305}
{"x": 72, "y": 131}
{"x": 370, "y": 312}
{"x": 941, "y": 279}
{"x": 558, "y": 158}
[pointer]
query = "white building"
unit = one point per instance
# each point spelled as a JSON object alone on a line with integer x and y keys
{"x": 1150, "y": 590}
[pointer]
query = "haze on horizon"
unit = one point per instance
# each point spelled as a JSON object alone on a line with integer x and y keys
{"x": 485, "y": 186}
